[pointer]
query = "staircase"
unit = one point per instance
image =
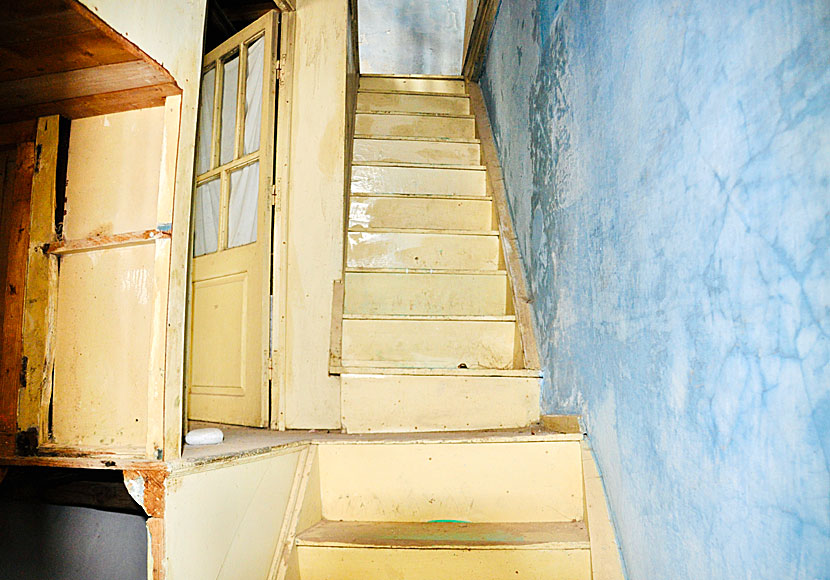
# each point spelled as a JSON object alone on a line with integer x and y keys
{"x": 418, "y": 510}
{"x": 430, "y": 340}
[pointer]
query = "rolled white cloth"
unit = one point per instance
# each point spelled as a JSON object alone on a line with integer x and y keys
{"x": 208, "y": 436}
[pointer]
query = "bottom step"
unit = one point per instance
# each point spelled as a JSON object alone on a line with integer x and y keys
{"x": 444, "y": 550}
{"x": 390, "y": 403}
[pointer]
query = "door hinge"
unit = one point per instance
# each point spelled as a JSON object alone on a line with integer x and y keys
{"x": 270, "y": 365}
{"x": 280, "y": 72}
{"x": 275, "y": 195}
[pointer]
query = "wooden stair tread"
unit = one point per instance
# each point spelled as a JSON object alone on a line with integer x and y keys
{"x": 423, "y": 196}
{"x": 416, "y": 165}
{"x": 446, "y": 317}
{"x": 418, "y": 93}
{"x": 436, "y": 231}
{"x": 375, "y": 137}
{"x": 437, "y": 372}
{"x": 447, "y": 535}
{"x": 417, "y": 114}
{"x": 443, "y": 272}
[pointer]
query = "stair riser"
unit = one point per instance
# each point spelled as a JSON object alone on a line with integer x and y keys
{"x": 324, "y": 563}
{"x": 475, "y": 482}
{"x": 458, "y": 294}
{"x": 418, "y": 213}
{"x": 372, "y": 102}
{"x": 414, "y": 126}
{"x": 436, "y": 152}
{"x": 402, "y": 404}
{"x": 421, "y": 85}
{"x": 432, "y": 251}
{"x": 429, "y": 343}
{"x": 426, "y": 180}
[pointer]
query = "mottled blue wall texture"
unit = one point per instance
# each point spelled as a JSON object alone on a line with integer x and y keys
{"x": 411, "y": 36}
{"x": 668, "y": 173}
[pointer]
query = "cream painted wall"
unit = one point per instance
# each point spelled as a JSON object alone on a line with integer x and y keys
{"x": 315, "y": 206}
{"x": 225, "y": 521}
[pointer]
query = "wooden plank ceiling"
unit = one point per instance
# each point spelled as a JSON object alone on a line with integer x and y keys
{"x": 58, "y": 57}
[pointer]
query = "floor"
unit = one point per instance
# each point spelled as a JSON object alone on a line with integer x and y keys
{"x": 247, "y": 440}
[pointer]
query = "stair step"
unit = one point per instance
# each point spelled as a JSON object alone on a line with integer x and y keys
{"x": 410, "y": 212}
{"x": 424, "y": 84}
{"x": 426, "y": 231}
{"x": 412, "y": 102}
{"x": 399, "y": 563}
{"x": 415, "y": 125}
{"x": 425, "y": 251}
{"x": 387, "y": 403}
{"x": 432, "y": 372}
{"x": 427, "y": 293}
{"x": 408, "y": 151}
{"x": 443, "y": 317}
{"x": 437, "y": 535}
{"x": 418, "y": 179}
{"x": 430, "y": 343}
{"x": 520, "y": 481}
{"x": 411, "y": 138}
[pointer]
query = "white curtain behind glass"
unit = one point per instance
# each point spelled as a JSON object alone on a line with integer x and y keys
{"x": 206, "y": 218}
{"x": 242, "y": 213}
{"x": 205, "y": 121}
{"x": 229, "y": 90}
{"x": 253, "y": 96}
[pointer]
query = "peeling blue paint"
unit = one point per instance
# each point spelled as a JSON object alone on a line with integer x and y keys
{"x": 668, "y": 173}
{"x": 411, "y": 36}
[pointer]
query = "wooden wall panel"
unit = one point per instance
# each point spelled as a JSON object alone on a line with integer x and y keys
{"x": 18, "y": 167}
{"x": 225, "y": 523}
{"x": 113, "y": 174}
{"x": 103, "y": 334}
{"x": 316, "y": 197}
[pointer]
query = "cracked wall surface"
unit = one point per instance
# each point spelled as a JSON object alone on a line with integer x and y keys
{"x": 668, "y": 172}
{"x": 411, "y": 36}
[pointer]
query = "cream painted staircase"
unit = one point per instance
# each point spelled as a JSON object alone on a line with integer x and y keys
{"x": 430, "y": 340}
{"x": 486, "y": 509}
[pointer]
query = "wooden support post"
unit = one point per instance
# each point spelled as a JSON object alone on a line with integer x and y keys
{"x": 147, "y": 487}
{"x": 14, "y": 243}
{"x": 48, "y": 181}
{"x": 155, "y": 445}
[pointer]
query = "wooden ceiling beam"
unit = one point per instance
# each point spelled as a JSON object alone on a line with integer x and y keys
{"x": 59, "y": 57}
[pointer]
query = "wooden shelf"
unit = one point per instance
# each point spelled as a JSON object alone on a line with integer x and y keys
{"x": 58, "y": 57}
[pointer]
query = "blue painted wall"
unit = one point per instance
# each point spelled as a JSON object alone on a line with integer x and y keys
{"x": 411, "y": 36}
{"x": 668, "y": 172}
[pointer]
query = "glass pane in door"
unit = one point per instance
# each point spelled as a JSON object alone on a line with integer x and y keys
{"x": 253, "y": 96}
{"x": 229, "y": 89}
{"x": 206, "y": 218}
{"x": 242, "y": 213}
{"x": 203, "y": 157}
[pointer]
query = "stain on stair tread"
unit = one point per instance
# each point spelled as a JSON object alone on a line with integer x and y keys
{"x": 447, "y": 535}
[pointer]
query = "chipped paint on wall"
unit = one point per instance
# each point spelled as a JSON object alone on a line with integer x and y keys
{"x": 668, "y": 173}
{"x": 411, "y": 36}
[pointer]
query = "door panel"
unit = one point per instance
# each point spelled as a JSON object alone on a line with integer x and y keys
{"x": 232, "y": 219}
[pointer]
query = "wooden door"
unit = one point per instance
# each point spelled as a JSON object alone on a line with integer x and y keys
{"x": 232, "y": 223}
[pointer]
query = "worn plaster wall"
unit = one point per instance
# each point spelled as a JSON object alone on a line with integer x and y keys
{"x": 668, "y": 170}
{"x": 411, "y": 36}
